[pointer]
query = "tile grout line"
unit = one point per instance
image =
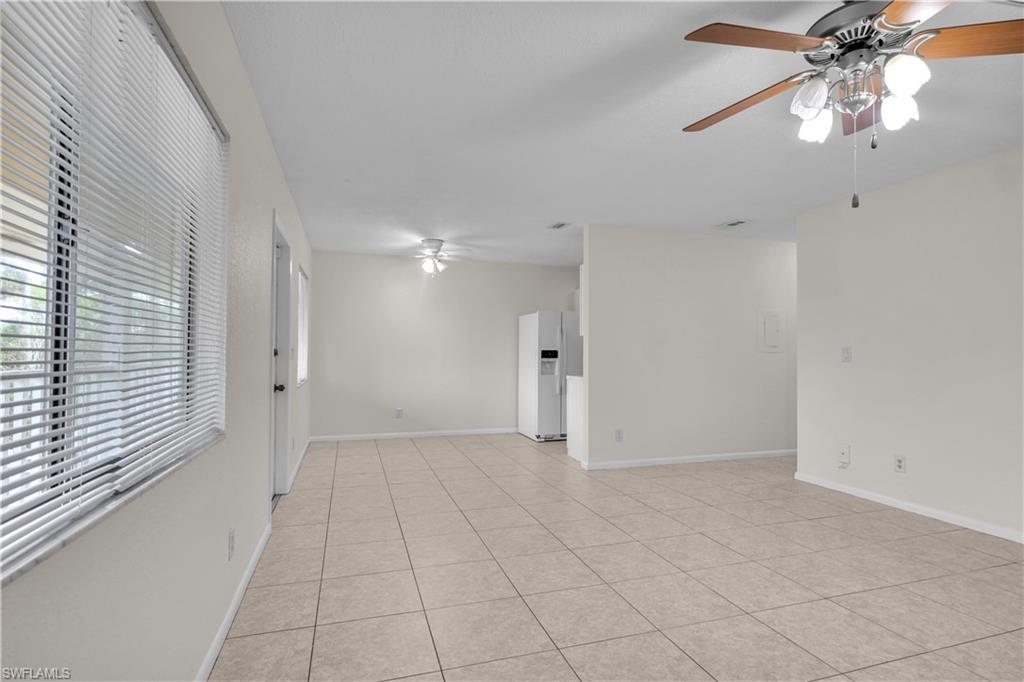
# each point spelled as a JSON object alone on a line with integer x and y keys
{"x": 511, "y": 584}
{"x": 746, "y": 560}
{"x": 544, "y": 483}
{"x": 663, "y": 558}
{"x": 939, "y": 652}
{"x": 749, "y": 614}
{"x": 830, "y": 599}
{"x": 604, "y": 583}
{"x": 323, "y": 563}
{"x": 412, "y": 568}
{"x": 745, "y": 611}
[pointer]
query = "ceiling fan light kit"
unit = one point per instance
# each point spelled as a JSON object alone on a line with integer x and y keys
{"x": 853, "y": 90}
{"x": 432, "y": 258}
{"x": 867, "y": 61}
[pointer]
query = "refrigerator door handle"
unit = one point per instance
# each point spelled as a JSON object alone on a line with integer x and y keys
{"x": 562, "y": 359}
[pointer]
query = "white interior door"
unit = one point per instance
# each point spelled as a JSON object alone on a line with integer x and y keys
{"x": 281, "y": 363}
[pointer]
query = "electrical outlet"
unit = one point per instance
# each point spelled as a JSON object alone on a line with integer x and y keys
{"x": 399, "y": 413}
{"x": 619, "y": 436}
{"x": 231, "y": 544}
{"x": 844, "y": 456}
{"x": 846, "y": 354}
{"x": 900, "y": 464}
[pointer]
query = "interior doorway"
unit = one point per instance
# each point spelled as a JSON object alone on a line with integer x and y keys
{"x": 281, "y": 362}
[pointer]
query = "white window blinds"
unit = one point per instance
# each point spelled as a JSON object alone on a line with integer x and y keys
{"x": 112, "y": 277}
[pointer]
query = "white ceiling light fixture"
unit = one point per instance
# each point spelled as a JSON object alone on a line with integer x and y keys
{"x": 810, "y": 99}
{"x": 860, "y": 53}
{"x": 866, "y": 61}
{"x": 898, "y": 110}
{"x": 432, "y": 266}
{"x": 856, "y": 84}
{"x": 432, "y": 262}
{"x": 905, "y": 74}
{"x": 817, "y": 128}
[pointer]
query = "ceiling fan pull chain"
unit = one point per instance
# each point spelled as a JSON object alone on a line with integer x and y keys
{"x": 874, "y": 129}
{"x": 855, "y": 203}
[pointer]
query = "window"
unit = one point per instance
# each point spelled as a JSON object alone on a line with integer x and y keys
{"x": 112, "y": 280}
{"x": 303, "y": 359}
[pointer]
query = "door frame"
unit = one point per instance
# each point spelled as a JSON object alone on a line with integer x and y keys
{"x": 281, "y": 361}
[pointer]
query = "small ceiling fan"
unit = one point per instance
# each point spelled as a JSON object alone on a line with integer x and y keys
{"x": 867, "y": 62}
{"x": 432, "y": 259}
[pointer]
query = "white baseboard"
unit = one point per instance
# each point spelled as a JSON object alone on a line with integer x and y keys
{"x": 211, "y": 655}
{"x": 414, "y": 434}
{"x": 684, "y": 459}
{"x": 931, "y": 512}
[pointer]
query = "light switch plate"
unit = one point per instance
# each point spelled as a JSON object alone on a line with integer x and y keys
{"x": 771, "y": 330}
{"x": 846, "y": 354}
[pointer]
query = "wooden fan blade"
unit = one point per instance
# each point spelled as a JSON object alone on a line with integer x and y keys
{"x": 744, "y": 36}
{"x": 901, "y": 12}
{"x": 975, "y": 40}
{"x": 767, "y": 93}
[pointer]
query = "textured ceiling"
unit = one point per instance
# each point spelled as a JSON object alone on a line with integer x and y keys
{"x": 482, "y": 123}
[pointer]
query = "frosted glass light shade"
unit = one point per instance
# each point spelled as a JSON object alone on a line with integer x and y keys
{"x": 817, "y": 128}
{"x": 432, "y": 266}
{"x": 905, "y": 74}
{"x": 810, "y": 98}
{"x": 897, "y": 111}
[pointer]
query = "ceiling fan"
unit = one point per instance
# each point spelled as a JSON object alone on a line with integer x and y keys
{"x": 867, "y": 62}
{"x": 432, "y": 259}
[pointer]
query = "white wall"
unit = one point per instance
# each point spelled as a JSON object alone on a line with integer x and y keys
{"x": 923, "y": 281}
{"x": 142, "y": 595}
{"x": 386, "y": 335}
{"x": 671, "y": 345}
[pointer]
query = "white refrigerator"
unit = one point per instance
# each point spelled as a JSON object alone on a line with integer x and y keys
{"x": 550, "y": 349}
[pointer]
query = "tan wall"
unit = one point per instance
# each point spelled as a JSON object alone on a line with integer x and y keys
{"x": 923, "y": 282}
{"x": 142, "y": 595}
{"x": 386, "y": 335}
{"x": 671, "y": 345}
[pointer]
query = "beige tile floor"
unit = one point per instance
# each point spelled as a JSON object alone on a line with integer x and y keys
{"x": 495, "y": 558}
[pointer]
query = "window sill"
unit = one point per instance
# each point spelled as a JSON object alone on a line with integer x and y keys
{"x": 23, "y": 564}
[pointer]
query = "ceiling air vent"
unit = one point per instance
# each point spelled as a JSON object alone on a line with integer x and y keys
{"x": 730, "y": 224}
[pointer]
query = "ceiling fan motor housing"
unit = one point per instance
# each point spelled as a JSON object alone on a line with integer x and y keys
{"x": 851, "y": 27}
{"x": 431, "y": 247}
